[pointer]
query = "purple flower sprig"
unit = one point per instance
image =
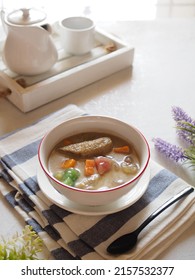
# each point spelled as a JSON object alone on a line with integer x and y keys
{"x": 185, "y": 126}
{"x": 173, "y": 152}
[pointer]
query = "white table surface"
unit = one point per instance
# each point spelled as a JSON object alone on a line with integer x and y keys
{"x": 162, "y": 76}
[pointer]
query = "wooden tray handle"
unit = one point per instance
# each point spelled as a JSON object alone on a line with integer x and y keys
{"x": 4, "y": 92}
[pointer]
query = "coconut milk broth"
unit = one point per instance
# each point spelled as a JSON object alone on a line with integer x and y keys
{"x": 114, "y": 177}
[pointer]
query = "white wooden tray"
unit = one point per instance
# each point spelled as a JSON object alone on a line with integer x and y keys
{"x": 69, "y": 73}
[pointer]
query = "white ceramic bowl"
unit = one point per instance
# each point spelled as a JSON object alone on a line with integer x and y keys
{"x": 94, "y": 124}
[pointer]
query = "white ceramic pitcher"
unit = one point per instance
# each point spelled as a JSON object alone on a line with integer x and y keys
{"x": 28, "y": 48}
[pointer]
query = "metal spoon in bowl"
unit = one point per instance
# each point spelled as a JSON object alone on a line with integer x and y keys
{"x": 128, "y": 241}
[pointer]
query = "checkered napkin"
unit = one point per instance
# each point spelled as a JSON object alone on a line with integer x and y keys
{"x": 75, "y": 236}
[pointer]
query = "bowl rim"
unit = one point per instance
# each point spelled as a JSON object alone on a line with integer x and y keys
{"x": 101, "y": 190}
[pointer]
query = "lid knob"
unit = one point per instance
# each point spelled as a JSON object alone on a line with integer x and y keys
{"x": 25, "y": 13}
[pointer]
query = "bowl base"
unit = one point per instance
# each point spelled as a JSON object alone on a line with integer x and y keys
{"x": 123, "y": 202}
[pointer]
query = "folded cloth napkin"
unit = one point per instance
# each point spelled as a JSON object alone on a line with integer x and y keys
{"x": 75, "y": 236}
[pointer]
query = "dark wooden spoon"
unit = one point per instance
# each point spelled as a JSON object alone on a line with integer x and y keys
{"x": 128, "y": 241}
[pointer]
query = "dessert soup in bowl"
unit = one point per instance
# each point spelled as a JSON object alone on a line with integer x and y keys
{"x": 94, "y": 160}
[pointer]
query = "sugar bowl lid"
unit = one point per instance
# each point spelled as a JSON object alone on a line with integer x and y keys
{"x": 26, "y": 16}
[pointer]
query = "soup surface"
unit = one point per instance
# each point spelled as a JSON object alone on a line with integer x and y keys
{"x": 93, "y": 161}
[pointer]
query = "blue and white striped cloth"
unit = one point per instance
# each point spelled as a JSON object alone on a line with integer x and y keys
{"x": 74, "y": 236}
